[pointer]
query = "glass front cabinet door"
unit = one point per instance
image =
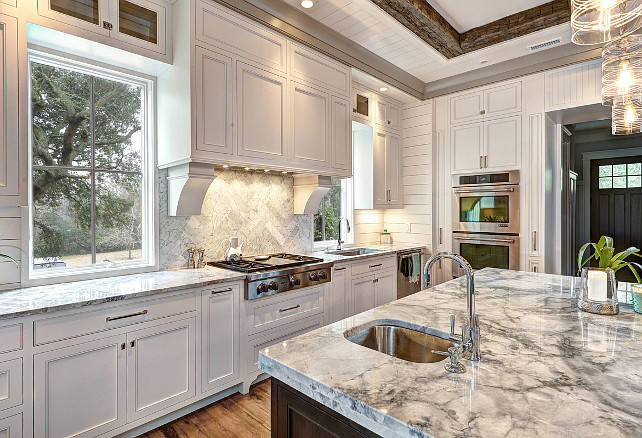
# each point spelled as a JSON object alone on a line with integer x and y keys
{"x": 141, "y": 23}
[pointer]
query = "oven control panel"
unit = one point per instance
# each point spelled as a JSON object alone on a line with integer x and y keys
{"x": 271, "y": 285}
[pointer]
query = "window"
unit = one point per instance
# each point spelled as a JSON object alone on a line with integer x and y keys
{"x": 336, "y": 205}
{"x": 620, "y": 176}
{"x": 91, "y": 169}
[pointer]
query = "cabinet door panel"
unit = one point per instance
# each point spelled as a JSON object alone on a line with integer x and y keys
{"x": 220, "y": 337}
{"x": 341, "y": 135}
{"x": 362, "y": 105}
{"x": 88, "y": 14}
{"x": 393, "y": 169}
{"x": 466, "y": 147}
{"x": 214, "y": 91}
{"x": 79, "y": 391}
{"x": 160, "y": 367}
{"x": 140, "y": 23}
{"x": 504, "y": 99}
{"x": 394, "y": 117}
{"x": 11, "y": 427}
{"x": 466, "y": 107}
{"x": 309, "y": 66}
{"x": 339, "y": 302}
{"x": 310, "y": 126}
{"x": 10, "y": 383}
{"x": 261, "y": 114}
{"x": 10, "y": 165}
{"x": 502, "y": 143}
{"x": 385, "y": 287}
{"x": 362, "y": 294}
{"x": 381, "y": 112}
{"x": 380, "y": 199}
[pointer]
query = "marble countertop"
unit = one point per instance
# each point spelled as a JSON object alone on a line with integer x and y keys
{"x": 386, "y": 249}
{"x": 547, "y": 369}
{"x": 51, "y": 298}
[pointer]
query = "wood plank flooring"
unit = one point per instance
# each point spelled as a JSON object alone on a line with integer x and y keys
{"x": 242, "y": 416}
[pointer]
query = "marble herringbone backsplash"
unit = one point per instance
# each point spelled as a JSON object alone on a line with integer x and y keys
{"x": 255, "y": 206}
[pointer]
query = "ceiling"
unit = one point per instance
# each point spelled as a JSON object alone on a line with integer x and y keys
{"x": 367, "y": 25}
{"x": 464, "y": 15}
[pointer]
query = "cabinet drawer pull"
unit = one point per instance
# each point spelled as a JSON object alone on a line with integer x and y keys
{"x": 481, "y": 161}
{"x": 290, "y": 308}
{"x": 214, "y": 292}
{"x": 130, "y": 315}
{"x": 374, "y": 266}
{"x": 340, "y": 269}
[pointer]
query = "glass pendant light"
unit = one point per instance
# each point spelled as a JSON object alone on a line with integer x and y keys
{"x": 626, "y": 117}
{"x": 622, "y": 68}
{"x": 601, "y": 21}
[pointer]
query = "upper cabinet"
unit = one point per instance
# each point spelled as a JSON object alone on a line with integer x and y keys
{"x": 387, "y": 175}
{"x": 486, "y": 103}
{"x": 362, "y": 105}
{"x": 387, "y": 115}
{"x": 140, "y": 26}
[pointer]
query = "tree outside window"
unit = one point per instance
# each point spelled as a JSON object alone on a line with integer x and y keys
{"x": 88, "y": 148}
{"x": 335, "y": 205}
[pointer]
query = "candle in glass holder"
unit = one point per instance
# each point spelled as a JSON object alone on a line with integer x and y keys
{"x": 597, "y": 285}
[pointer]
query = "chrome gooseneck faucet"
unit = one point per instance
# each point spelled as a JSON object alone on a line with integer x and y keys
{"x": 470, "y": 334}
{"x": 339, "y": 241}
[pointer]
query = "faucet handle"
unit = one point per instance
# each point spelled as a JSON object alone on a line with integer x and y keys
{"x": 452, "y": 325}
{"x": 454, "y": 366}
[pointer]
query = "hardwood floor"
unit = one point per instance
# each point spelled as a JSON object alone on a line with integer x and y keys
{"x": 236, "y": 416}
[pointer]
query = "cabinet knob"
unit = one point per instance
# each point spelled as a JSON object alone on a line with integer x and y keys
{"x": 354, "y": 110}
{"x": 388, "y": 121}
{"x": 482, "y": 112}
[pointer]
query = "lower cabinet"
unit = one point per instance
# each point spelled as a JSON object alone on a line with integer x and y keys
{"x": 373, "y": 290}
{"x": 295, "y": 415}
{"x": 385, "y": 287}
{"x": 338, "y": 301}
{"x": 11, "y": 427}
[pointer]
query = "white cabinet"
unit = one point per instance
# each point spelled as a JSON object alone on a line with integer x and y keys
{"x": 261, "y": 106}
{"x": 338, "y": 303}
{"x": 214, "y": 103}
{"x": 387, "y": 180}
{"x": 341, "y": 135}
{"x": 79, "y": 391}
{"x": 489, "y": 145}
{"x": 362, "y": 105}
{"x": 10, "y": 383}
{"x": 11, "y": 161}
{"x": 137, "y": 23}
{"x": 385, "y": 284}
{"x": 11, "y": 427}
{"x": 161, "y": 366}
{"x": 486, "y": 103}
{"x": 220, "y": 337}
{"x": 310, "y": 126}
{"x": 387, "y": 115}
{"x": 363, "y": 295}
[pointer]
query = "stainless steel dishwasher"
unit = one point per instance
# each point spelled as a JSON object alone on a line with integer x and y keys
{"x": 408, "y": 272}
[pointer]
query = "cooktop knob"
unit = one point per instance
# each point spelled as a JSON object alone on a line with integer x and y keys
{"x": 323, "y": 275}
{"x": 295, "y": 281}
{"x": 314, "y": 276}
{"x": 273, "y": 285}
{"x": 262, "y": 288}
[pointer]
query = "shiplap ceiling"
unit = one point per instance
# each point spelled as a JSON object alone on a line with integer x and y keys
{"x": 367, "y": 25}
{"x": 464, "y": 15}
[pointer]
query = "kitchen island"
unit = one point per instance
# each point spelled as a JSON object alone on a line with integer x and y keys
{"x": 547, "y": 369}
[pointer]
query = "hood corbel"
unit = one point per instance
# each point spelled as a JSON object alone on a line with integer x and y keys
{"x": 309, "y": 190}
{"x": 187, "y": 185}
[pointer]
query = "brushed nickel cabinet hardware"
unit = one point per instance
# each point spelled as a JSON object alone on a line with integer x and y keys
{"x": 340, "y": 269}
{"x": 485, "y": 161}
{"x": 534, "y": 240}
{"x": 107, "y": 25}
{"x": 132, "y": 344}
{"x": 290, "y": 308}
{"x": 441, "y": 234}
{"x": 481, "y": 161}
{"x": 510, "y": 189}
{"x": 129, "y": 315}
{"x": 484, "y": 239}
{"x": 374, "y": 266}
{"x": 214, "y": 292}
{"x": 482, "y": 112}
{"x": 123, "y": 346}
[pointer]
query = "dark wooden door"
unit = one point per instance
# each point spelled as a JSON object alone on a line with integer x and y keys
{"x": 616, "y": 204}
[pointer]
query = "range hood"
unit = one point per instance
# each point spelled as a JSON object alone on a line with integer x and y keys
{"x": 309, "y": 191}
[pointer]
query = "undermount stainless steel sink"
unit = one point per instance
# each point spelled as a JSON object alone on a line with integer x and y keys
{"x": 350, "y": 252}
{"x": 402, "y": 343}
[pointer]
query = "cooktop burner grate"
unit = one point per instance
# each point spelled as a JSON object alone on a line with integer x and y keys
{"x": 266, "y": 263}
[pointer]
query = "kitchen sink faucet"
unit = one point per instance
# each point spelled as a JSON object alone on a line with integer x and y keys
{"x": 339, "y": 241}
{"x": 470, "y": 334}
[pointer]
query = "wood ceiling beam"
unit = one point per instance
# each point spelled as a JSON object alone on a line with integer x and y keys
{"x": 424, "y": 21}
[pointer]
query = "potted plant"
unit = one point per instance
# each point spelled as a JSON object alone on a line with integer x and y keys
{"x": 610, "y": 262}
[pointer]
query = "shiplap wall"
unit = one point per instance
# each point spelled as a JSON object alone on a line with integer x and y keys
{"x": 367, "y": 226}
{"x": 11, "y": 245}
{"x": 413, "y": 223}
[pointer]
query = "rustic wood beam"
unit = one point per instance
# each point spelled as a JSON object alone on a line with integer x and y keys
{"x": 516, "y": 25}
{"x": 425, "y": 22}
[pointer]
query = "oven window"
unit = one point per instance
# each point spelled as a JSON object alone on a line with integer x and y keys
{"x": 483, "y": 209}
{"x": 485, "y": 256}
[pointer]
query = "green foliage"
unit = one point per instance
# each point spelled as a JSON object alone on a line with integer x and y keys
{"x": 331, "y": 206}
{"x": 604, "y": 253}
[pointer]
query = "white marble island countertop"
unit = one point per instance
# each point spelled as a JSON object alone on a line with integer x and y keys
{"x": 547, "y": 369}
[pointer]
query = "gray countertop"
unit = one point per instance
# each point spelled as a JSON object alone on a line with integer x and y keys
{"x": 547, "y": 369}
{"x": 385, "y": 250}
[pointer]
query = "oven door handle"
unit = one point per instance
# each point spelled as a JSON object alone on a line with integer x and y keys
{"x": 481, "y": 191}
{"x": 484, "y": 239}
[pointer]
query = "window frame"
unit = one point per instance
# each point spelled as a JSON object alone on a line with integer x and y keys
{"x": 149, "y": 203}
{"x": 347, "y": 211}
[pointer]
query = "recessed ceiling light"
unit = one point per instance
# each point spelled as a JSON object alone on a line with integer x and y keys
{"x": 307, "y": 4}
{"x": 383, "y": 89}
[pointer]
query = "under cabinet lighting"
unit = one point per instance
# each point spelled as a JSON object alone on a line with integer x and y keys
{"x": 383, "y": 89}
{"x": 247, "y": 168}
{"x": 225, "y": 166}
{"x": 266, "y": 170}
{"x": 307, "y": 4}
{"x": 284, "y": 172}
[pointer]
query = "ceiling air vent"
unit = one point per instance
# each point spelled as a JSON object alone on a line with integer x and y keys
{"x": 545, "y": 45}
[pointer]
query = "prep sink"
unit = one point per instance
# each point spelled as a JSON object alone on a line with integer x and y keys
{"x": 402, "y": 343}
{"x": 350, "y": 252}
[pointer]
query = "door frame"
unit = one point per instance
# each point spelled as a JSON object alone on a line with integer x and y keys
{"x": 587, "y": 157}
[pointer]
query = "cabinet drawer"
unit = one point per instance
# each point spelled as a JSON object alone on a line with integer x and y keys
{"x": 374, "y": 264}
{"x": 10, "y": 337}
{"x": 10, "y": 384}
{"x": 83, "y": 323}
{"x": 262, "y": 341}
{"x": 275, "y": 311}
{"x": 11, "y": 427}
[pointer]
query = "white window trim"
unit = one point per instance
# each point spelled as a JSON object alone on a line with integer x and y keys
{"x": 150, "y": 201}
{"x": 347, "y": 211}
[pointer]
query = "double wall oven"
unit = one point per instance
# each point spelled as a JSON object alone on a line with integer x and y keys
{"x": 486, "y": 220}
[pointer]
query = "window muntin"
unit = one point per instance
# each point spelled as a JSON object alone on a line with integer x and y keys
{"x": 91, "y": 189}
{"x": 336, "y": 204}
{"x": 620, "y": 176}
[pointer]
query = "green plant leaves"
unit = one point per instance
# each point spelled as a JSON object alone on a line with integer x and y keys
{"x": 604, "y": 252}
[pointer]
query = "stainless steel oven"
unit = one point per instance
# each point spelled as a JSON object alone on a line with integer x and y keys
{"x": 486, "y": 251}
{"x": 486, "y": 203}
